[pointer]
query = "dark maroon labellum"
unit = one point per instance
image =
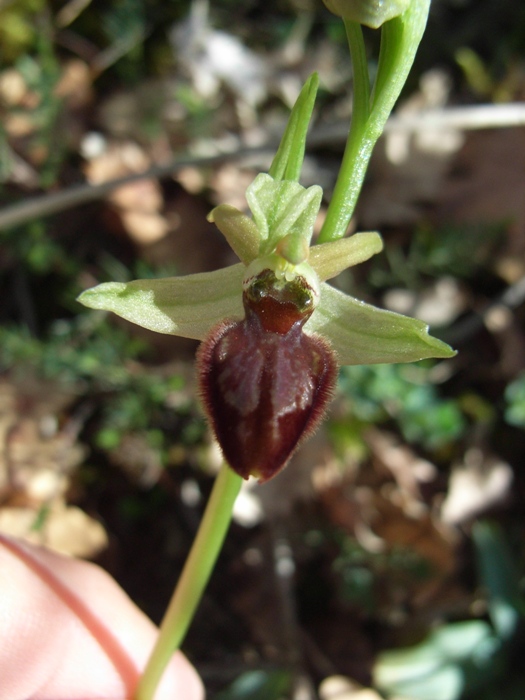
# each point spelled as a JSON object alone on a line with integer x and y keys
{"x": 265, "y": 383}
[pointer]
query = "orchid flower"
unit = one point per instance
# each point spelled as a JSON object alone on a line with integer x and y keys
{"x": 273, "y": 330}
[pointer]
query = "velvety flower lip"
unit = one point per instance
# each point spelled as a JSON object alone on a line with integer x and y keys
{"x": 265, "y": 383}
{"x": 284, "y": 213}
{"x": 273, "y": 330}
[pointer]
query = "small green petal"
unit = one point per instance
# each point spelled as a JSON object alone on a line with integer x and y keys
{"x": 293, "y": 248}
{"x": 296, "y": 224}
{"x": 364, "y": 335}
{"x": 283, "y": 208}
{"x": 187, "y": 306}
{"x": 329, "y": 259}
{"x": 239, "y": 230}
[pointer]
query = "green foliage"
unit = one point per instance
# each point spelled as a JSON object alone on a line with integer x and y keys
{"x": 96, "y": 358}
{"x": 33, "y": 249}
{"x": 359, "y": 572}
{"x": 18, "y": 27}
{"x": 403, "y": 393}
{"x": 468, "y": 659}
{"x": 125, "y": 24}
{"x": 258, "y": 685}
{"x": 82, "y": 350}
{"x": 515, "y": 402}
{"x": 437, "y": 668}
{"x": 459, "y": 251}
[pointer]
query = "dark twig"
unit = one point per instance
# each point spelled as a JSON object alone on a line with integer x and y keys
{"x": 462, "y": 118}
{"x": 47, "y": 204}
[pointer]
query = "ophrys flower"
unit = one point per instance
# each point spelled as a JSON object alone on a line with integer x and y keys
{"x": 273, "y": 329}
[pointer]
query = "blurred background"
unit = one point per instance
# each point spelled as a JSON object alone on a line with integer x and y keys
{"x": 387, "y": 560}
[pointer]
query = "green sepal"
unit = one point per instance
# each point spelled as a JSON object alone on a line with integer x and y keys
{"x": 329, "y": 259}
{"x": 282, "y": 208}
{"x": 361, "y": 334}
{"x": 240, "y": 231}
{"x": 187, "y": 306}
{"x": 288, "y": 160}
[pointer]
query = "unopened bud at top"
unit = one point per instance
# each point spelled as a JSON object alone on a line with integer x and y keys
{"x": 372, "y": 13}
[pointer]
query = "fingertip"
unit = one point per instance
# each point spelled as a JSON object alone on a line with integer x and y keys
{"x": 181, "y": 681}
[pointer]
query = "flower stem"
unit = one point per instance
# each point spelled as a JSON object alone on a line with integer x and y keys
{"x": 358, "y": 147}
{"x": 193, "y": 579}
{"x": 400, "y": 39}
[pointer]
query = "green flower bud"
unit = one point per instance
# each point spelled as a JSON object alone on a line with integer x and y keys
{"x": 372, "y": 13}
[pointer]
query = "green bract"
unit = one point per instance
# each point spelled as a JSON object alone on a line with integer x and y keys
{"x": 284, "y": 213}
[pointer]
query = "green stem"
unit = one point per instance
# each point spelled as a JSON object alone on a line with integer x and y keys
{"x": 193, "y": 580}
{"x": 400, "y": 38}
{"x": 355, "y": 157}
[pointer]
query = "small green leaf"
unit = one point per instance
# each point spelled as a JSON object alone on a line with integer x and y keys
{"x": 187, "y": 306}
{"x": 258, "y": 685}
{"x": 499, "y": 574}
{"x": 436, "y": 669}
{"x": 515, "y": 400}
{"x": 363, "y": 335}
{"x": 441, "y": 683}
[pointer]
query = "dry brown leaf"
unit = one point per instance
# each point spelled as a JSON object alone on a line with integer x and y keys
{"x": 76, "y": 84}
{"x": 140, "y": 203}
{"x": 487, "y": 185}
{"x": 38, "y": 457}
{"x": 480, "y": 483}
{"x": 12, "y": 87}
{"x": 407, "y": 468}
{"x": 382, "y": 507}
{"x": 229, "y": 184}
{"x": 140, "y": 461}
{"x": 64, "y": 529}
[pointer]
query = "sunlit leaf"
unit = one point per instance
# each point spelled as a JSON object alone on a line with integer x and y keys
{"x": 435, "y": 668}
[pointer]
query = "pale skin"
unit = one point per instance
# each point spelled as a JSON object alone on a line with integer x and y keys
{"x": 69, "y": 632}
